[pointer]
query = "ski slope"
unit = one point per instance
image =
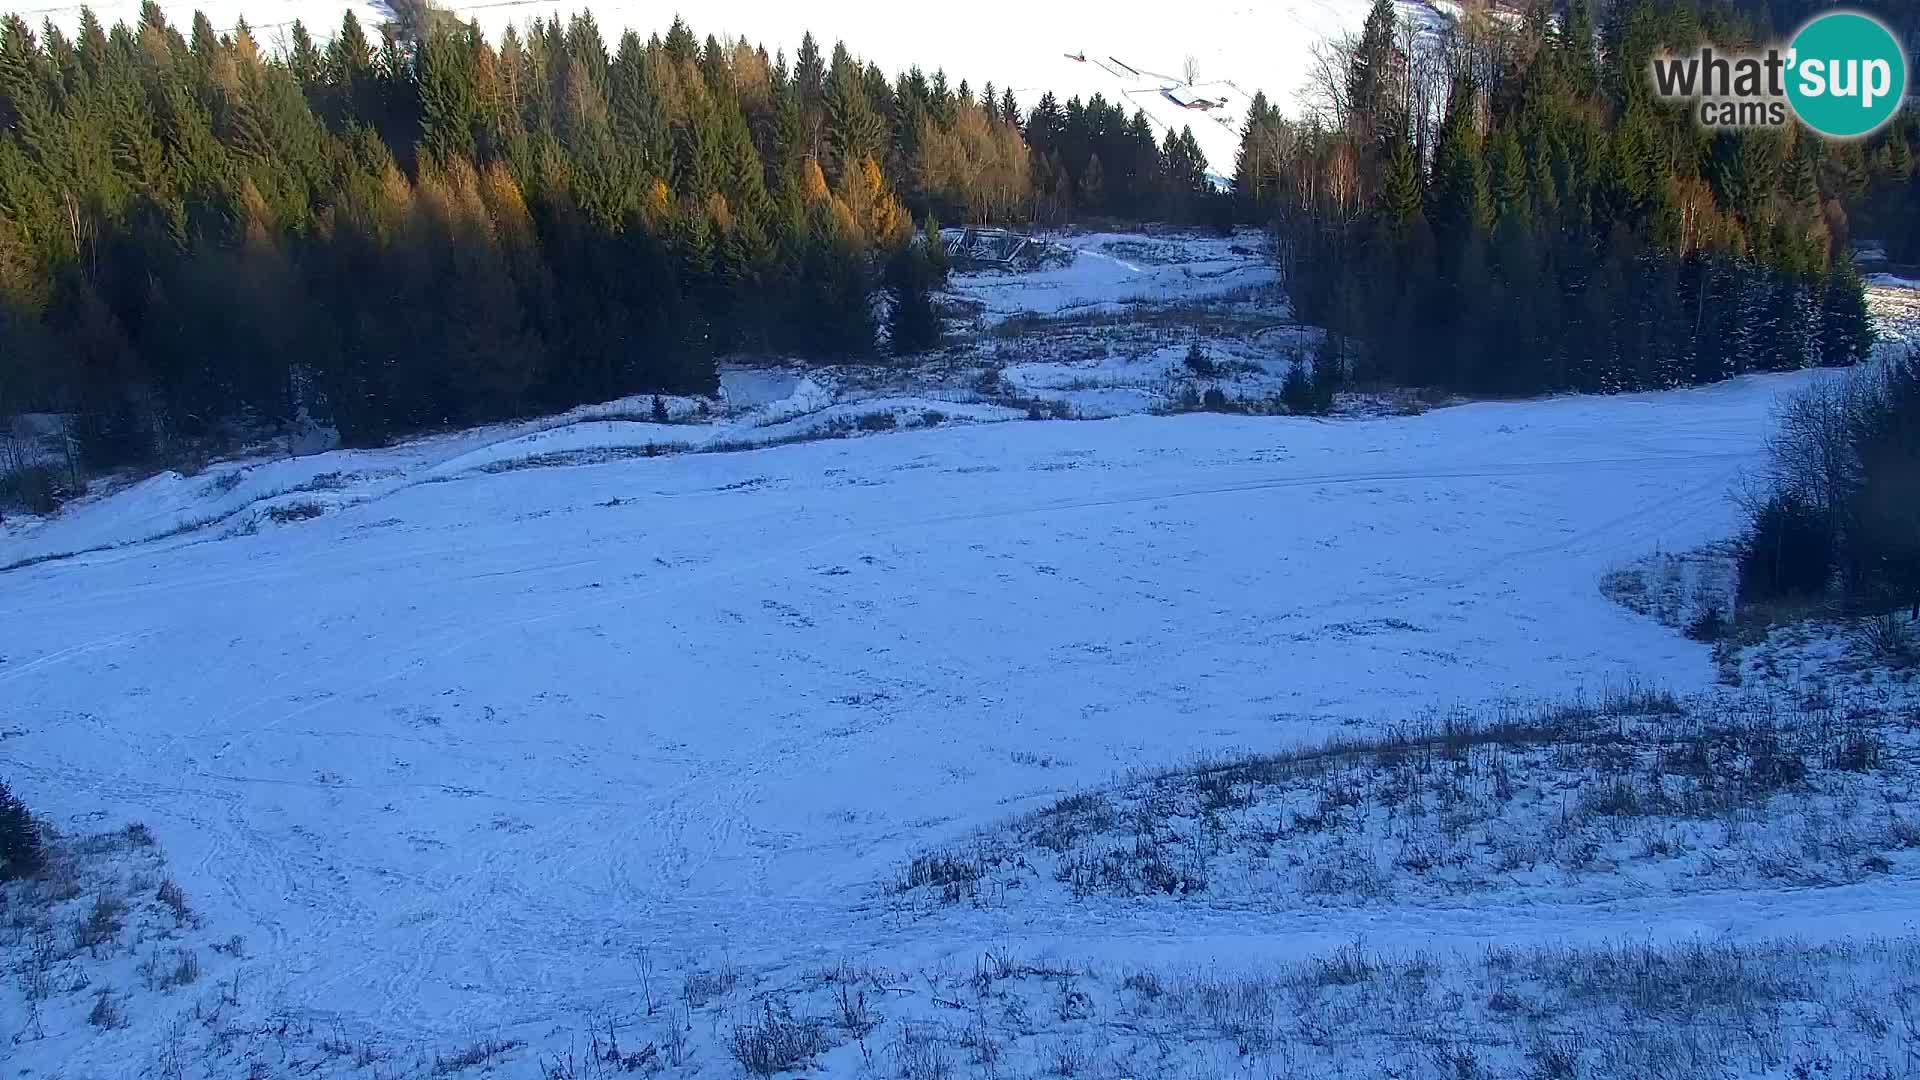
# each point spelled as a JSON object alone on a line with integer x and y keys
{"x": 451, "y": 755}
{"x": 1135, "y": 51}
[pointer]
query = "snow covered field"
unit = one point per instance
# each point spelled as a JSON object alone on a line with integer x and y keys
{"x": 462, "y": 753}
{"x": 1069, "y": 359}
{"x": 830, "y": 720}
{"x": 1110, "y": 272}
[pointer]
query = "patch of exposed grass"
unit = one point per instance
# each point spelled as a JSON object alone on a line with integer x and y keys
{"x": 1715, "y": 791}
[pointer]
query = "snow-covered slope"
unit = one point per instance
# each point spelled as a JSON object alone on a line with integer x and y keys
{"x": 1089, "y": 275}
{"x": 464, "y": 758}
{"x": 1109, "y": 272}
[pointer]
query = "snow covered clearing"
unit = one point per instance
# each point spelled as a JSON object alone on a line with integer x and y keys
{"x": 1101, "y": 333}
{"x": 1113, "y": 272}
{"x": 243, "y": 495}
{"x": 480, "y": 756}
{"x": 849, "y": 721}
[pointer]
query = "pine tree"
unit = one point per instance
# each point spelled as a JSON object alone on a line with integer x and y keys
{"x": 936, "y": 250}
{"x": 913, "y": 324}
{"x": 1461, "y": 205}
{"x": 855, "y": 132}
{"x": 1846, "y": 333}
{"x": 1296, "y": 389}
{"x": 21, "y": 851}
{"x": 1183, "y": 172}
{"x": 1512, "y": 202}
{"x": 1371, "y": 75}
{"x": 1575, "y": 46}
{"x": 91, "y": 46}
{"x": 809, "y": 73}
{"x": 304, "y": 60}
{"x": 1329, "y": 371}
{"x": 1257, "y": 167}
{"x": 681, "y": 46}
{"x": 1093, "y": 185}
{"x": 350, "y": 76}
{"x": 1401, "y": 196}
{"x": 448, "y": 110}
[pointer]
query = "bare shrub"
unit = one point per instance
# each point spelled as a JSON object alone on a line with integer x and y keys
{"x": 777, "y": 1041}
{"x": 1345, "y": 966}
{"x": 100, "y": 926}
{"x": 295, "y": 511}
{"x": 478, "y": 1054}
{"x": 920, "y": 1052}
{"x": 955, "y": 874}
{"x": 1067, "y": 1057}
{"x": 106, "y": 1011}
{"x": 169, "y": 969}
{"x": 704, "y": 986}
{"x": 175, "y": 898}
{"x": 1889, "y": 639}
{"x": 855, "y": 1015}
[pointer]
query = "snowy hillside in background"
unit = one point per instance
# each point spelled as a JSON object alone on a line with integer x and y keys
{"x": 1134, "y": 51}
{"x": 1091, "y": 279}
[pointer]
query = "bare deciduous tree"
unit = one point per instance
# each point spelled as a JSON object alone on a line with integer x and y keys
{"x": 1325, "y": 91}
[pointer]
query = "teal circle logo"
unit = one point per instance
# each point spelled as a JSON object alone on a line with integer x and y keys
{"x": 1847, "y": 75}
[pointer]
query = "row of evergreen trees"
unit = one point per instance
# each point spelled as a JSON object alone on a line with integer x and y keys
{"x": 200, "y": 238}
{"x": 1507, "y": 209}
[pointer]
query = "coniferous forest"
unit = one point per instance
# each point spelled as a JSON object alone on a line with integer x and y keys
{"x": 419, "y": 227}
{"x": 413, "y": 226}
{"x": 1508, "y": 209}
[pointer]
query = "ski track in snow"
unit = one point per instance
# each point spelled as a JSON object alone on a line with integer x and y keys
{"x": 455, "y": 770}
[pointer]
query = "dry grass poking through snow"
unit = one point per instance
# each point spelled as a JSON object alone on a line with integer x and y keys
{"x": 1623, "y": 1011}
{"x": 1691, "y": 592}
{"x": 1637, "y": 793}
{"x": 101, "y": 922}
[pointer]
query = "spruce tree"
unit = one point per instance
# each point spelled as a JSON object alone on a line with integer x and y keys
{"x": 634, "y": 111}
{"x": 809, "y": 72}
{"x": 1512, "y": 201}
{"x": 913, "y": 324}
{"x": 1846, "y": 333}
{"x": 21, "y": 851}
{"x": 1401, "y": 195}
{"x": 1461, "y": 205}
{"x": 1371, "y": 73}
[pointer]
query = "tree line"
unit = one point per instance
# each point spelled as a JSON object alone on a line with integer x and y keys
{"x": 1506, "y": 207}
{"x": 1835, "y": 512}
{"x": 202, "y": 239}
